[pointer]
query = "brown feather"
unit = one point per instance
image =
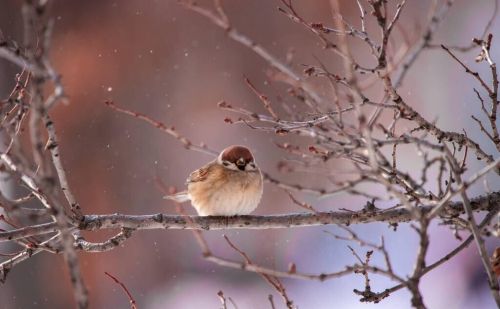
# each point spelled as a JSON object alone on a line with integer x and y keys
{"x": 200, "y": 174}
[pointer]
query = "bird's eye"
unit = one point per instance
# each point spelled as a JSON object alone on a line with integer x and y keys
{"x": 225, "y": 163}
{"x": 252, "y": 165}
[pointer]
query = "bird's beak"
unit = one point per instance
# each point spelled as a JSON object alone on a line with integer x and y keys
{"x": 240, "y": 162}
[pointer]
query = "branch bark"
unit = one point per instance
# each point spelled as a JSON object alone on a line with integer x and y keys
{"x": 489, "y": 203}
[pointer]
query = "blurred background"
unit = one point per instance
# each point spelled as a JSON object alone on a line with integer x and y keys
{"x": 158, "y": 58}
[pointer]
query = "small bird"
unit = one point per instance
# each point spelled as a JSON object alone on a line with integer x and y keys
{"x": 228, "y": 186}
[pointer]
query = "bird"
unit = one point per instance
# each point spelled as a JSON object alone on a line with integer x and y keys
{"x": 230, "y": 185}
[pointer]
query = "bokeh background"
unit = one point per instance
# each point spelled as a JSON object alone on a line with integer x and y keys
{"x": 167, "y": 62}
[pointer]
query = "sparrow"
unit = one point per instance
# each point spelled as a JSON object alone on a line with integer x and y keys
{"x": 230, "y": 185}
{"x": 495, "y": 261}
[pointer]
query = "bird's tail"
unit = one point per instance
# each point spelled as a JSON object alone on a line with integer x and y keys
{"x": 179, "y": 197}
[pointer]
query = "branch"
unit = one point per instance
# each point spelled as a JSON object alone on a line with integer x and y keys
{"x": 222, "y": 21}
{"x": 133, "y": 303}
{"x": 487, "y": 203}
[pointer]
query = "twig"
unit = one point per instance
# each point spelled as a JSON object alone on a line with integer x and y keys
{"x": 133, "y": 303}
{"x": 169, "y": 130}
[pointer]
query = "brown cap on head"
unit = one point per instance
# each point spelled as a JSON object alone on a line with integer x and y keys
{"x": 235, "y": 152}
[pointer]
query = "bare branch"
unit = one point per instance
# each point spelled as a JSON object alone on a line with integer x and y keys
{"x": 133, "y": 303}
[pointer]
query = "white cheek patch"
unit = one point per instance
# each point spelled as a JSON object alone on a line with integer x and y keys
{"x": 232, "y": 167}
{"x": 250, "y": 167}
{"x": 227, "y": 164}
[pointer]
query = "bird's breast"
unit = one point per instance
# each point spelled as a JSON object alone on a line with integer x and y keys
{"x": 236, "y": 194}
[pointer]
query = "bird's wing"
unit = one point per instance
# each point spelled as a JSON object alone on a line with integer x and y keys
{"x": 200, "y": 174}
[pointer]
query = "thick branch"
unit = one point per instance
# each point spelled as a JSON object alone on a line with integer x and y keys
{"x": 162, "y": 221}
{"x": 488, "y": 203}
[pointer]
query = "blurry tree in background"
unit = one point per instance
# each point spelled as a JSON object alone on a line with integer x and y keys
{"x": 354, "y": 147}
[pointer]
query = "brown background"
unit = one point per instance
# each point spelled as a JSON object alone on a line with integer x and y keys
{"x": 162, "y": 60}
